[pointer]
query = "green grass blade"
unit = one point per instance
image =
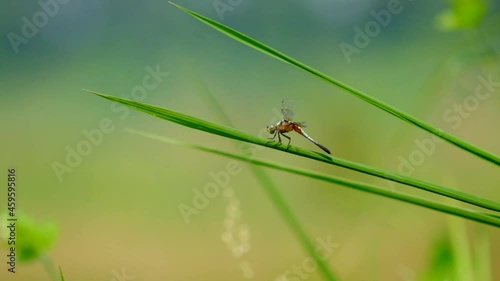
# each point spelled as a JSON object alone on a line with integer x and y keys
{"x": 293, "y": 222}
{"x": 61, "y": 274}
{"x": 461, "y": 250}
{"x": 390, "y": 109}
{"x": 460, "y": 212}
{"x": 275, "y": 195}
{"x": 199, "y": 124}
{"x": 482, "y": 256}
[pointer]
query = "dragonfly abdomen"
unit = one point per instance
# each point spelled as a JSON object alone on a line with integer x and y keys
{"x": 300, "y": 131}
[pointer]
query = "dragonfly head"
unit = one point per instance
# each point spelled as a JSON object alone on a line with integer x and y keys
{"x": 271, "y": 129}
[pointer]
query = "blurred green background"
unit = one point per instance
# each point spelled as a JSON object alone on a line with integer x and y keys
{"x": 119, "y": 208}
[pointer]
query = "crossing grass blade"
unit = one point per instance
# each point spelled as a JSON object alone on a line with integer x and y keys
{"x": 273, "y": 193}
{"x": 486, "y": 155}
{"x": 457, "y": 211}
{"x": 61, "y": 274}
{"x": 203, "y": 125}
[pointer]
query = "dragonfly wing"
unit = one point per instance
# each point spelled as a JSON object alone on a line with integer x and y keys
{"x": 302, "y": 124}
{"x": 288, "y": 114}
{"x": 288, "y": 108}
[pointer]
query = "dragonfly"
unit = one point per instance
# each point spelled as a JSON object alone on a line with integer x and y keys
{"x": 287, "y": 125}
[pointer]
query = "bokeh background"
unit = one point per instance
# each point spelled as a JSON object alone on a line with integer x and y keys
{"x": 119, "y": 208}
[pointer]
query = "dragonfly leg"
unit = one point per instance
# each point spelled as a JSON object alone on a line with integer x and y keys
{"x": 289, "y": 140}
{"x": 272, "y": 138}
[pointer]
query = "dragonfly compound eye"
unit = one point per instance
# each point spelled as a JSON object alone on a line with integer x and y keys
{"x": 271, "y": 129}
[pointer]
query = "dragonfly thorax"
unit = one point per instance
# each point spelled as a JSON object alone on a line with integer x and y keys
{"x": 284, "y": 126}
{"x": 272, "y": 128}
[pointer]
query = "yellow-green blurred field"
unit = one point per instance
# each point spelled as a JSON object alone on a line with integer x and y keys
{"x": 117, "y": 209}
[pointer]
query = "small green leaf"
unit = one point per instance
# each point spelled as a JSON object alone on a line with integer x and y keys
{"x": 441, "y": 265}
{"x": 463, "y": 14}
{"x": 32, "y": 238}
